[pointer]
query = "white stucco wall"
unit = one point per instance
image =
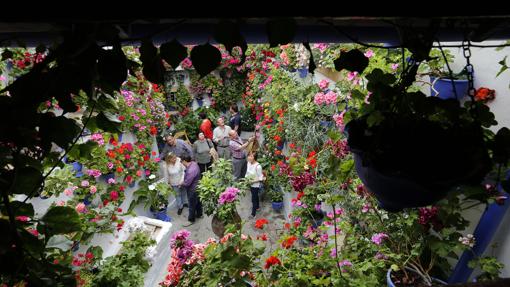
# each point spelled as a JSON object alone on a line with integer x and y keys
{"x": 485, "y": 63}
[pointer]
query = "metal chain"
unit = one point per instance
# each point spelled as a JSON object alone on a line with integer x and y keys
{"x": 469, "y": 69}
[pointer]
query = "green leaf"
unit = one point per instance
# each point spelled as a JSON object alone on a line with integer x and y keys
{"x": 21, "y": 208}
{"x": 173, "y": 53}
{"x": 205, "y": 58}
{"x": 503, "y": 68}
{"x": 27, "y": 180}
{"x": 7, "y": 54}
{"x": 60, "y": 130}
{"x": 97, "y": 251}
{"x": 148, "y": 51}
{"x": 502, "y": 146}
{"x": 354, "y": 61}
{"x": 59, "y": 241}
{"x": 105, "y": 124}
{"x": 280, "y": 31}
{"x": 153, "y": 71}
{"x": 375, "y": 118}
{"x": 61, "y": 220}
{"x": 112, "y": 69}
{"x": 227, "y": 33}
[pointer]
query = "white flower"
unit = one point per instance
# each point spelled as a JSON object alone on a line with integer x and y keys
{"x": 152, "y": 176}
{"x": 152, "y": 187}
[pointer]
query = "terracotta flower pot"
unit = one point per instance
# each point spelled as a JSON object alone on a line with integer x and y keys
{"x": 218, "y": 226}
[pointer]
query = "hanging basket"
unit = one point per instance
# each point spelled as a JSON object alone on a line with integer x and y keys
{"x": 218, "y": 226}
{"x": 412, "y": 164}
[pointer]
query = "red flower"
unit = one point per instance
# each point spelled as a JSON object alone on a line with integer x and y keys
{"x": 262, "y": 237}
{"x": 89, "y": 255}
{"x": 287, "y": 226}
{"x": 260, "y": 223}
{"x": 122, "y": 188}
{"x": 119, "y": 209}
{"x": 299, "y": 195}
{"x": 129, "y": 179}
{"x": 485, "y": 94}
{"x": 277, "y": 138}
{"x": 273, "y": 260}
{"x": 153, "y": 130}
{"x": 292, "y": 145}
{"x": 113, "y": 142}
{"x": 122, "y": 118}
{"x": 153, "y": 153}
{"x": 114, "y": 195}
{"x": 311, "y": 154}
{"x": 119, "y": 169}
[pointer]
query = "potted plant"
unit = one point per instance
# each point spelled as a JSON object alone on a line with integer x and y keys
{"x": 154, "y": 193}
{"x": 444, "y": 85}
{"x": 276, "y": 195}
{"x": 411, "y": 150}
{"x": 219, "y": 194}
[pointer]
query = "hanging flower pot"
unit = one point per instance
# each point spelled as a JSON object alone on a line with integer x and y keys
{"x": 218, "y": 226}
{"x": 411, "y": 163}
{"x": 443, "y": 88}
{"x": 303, "y": 72}
{"x": 77, "y": 167}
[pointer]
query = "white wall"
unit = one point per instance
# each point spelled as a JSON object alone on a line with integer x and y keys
{"x": 485, "y": 63}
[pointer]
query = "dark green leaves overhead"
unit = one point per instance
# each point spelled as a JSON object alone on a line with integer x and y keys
{"x": 280, "y": 31}
{"x": 354, "y": 61}
{"x": 106, "y": 124}
{"x": 27, "y": 180}
{"x": 112, "y": 69}
{"x": 228, "y": 34}
{"x": 153, "y": 68}
{"x": 173, "y": 53}
{"x": 6, "y": 54}
{"x": 502, "y": 146}
{"x": 311, "y": 63}
{"x": 60, "y": 130}
{"x": 61, "y": 220}
{"x": 205, "y": 58}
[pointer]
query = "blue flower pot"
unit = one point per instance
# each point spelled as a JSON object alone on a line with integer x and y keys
{"x": 161, "y": 215}
{"x": 86, "y": 200}
{"x": 277, "y": 206}
{"x": 43, "y": 197}
{"x": 303, "y": 72}
{"x": 120, "y": 136}
{"x": 200, "y": 102}
{"x": 77, "y": 167}
{"x": 391, "y": 284}
{"x": 445, "y": 89}
{"x": 107, "y": 176}
{"x": 326, "y": 124}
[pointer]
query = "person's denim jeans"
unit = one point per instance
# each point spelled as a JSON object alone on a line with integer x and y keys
{"x": 255, "y": 202}
{"x": 180, "y": 196}
{"x": 195, "y": 206}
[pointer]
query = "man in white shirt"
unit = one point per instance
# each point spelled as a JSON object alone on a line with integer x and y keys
{"x": 221, "y": 138}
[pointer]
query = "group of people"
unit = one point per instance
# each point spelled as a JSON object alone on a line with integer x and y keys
{"x": 185, "y": 163}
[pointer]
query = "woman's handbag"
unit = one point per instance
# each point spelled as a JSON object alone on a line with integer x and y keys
{"x": 212, "y": 151}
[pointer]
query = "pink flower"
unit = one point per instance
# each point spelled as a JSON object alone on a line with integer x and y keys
{"x": 111, "y": 180}
{"x": 318, "y": 99}
{"x": 80, "y": 207}
{"x": 84, "y": 183}
{"x": 61, "y": 203}
{"x": 68, "y": 192}
{"x": 157, "y": 159}
{"x": 22, "y": 218}
{"x": 330, "y": 98}
{"x": 321, "y": 46}
{"x": 229, "y": 195}
{"x": 368, "y": 97}
{"x": 344, "y": 263}
{"x": 93, "y": 189}
{"x": 32, "y": 231}
{"x": 94, "y": 172}
{"x": 365, "y": 208}
{"x": 324, "y": 84}
{"x": 147, "y": 172}
{"x": 394, "y": 67}
{"x": 339, "y": 120}
{"x": 378, "y": 238}
{"x": 369, "y": 53}
{"x": 109, "y": 165}
{"x": 97, "y": 137}
{"x": 352, "y": 75}
{"x": 333, "y": 252}
{"x": 380, "y": 256}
